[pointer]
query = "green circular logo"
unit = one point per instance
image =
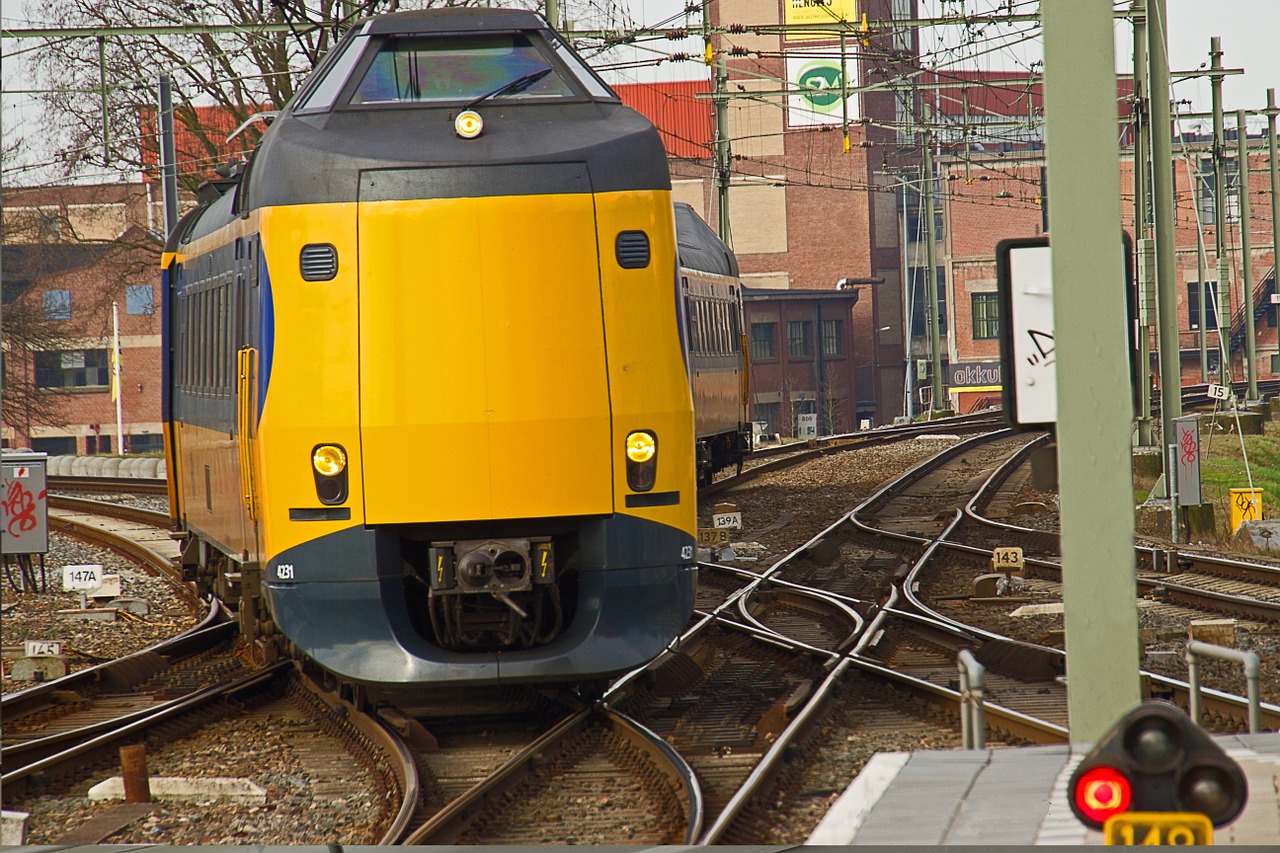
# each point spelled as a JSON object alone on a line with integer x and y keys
{"x": 815, "y": 77}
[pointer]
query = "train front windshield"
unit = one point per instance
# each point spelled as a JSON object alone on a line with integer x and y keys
{"x": 444, "y": 69}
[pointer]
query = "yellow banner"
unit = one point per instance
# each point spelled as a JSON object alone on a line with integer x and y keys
{"x": 827, "y": 13}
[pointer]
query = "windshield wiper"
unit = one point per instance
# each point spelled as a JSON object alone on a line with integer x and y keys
{"x": 519, "y": 84}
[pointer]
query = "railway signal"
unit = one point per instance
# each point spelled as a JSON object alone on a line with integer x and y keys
{"x": 1157, "y": 778}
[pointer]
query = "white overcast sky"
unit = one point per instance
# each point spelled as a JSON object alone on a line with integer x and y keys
{"x": 1250, "y": 32}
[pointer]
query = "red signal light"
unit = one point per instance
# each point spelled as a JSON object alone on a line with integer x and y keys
{"x": 1102, "y": 792}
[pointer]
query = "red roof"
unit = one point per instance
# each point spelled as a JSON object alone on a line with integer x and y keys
{"x": 683, "y": 119}
{"x": 193, "y": 156}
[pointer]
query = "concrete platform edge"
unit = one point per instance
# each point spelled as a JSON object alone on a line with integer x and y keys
{"x": 843, "y": 819}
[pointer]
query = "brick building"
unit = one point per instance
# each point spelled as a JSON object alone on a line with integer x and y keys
{"x": 802, "y": 361}
{"x": 58, "y": 300}
{"x": 810, "y": 197}
{"x": 988, "y": 198}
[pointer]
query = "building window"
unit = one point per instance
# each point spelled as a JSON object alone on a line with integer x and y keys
{"x": 139, "y": 299}
{"x": 799, "y": 338}
{"x": 72, "y": 369}
{"x": 60, "y": 446}
{"x": 57, "y": 304}
{"x": 911, "y": 199}
{"x": 920, "y": 302}
{"x": 97, "y": 444}
{"x": 1193, "y": 305}
{"x": 150, "y": 443}
{"x": 831, "y": 341}
{"x": 762, "y": 340}
{"x": 768, "y": 412}
{"x": 1207, "y": 183}
{"x": 986, "y": 316}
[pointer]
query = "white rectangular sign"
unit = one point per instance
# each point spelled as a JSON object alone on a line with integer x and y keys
{"x": 1219, "y": 392}
{"x": 42, "y": 648}
{"x": 81, "y": 577}
{"x": 1031, "y": 274}
{"x": 818, "y": 81}
{"x": 727, "y": 521}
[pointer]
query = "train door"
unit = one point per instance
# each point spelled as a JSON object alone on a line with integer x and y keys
{"x": 246, "y": 390}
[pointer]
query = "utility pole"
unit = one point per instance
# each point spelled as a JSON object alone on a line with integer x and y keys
{"x": 1141, "y": 218}
{"x": 1271, "y": 113}
{"x": 724, "y": 159}
{"x": 1223, "y": 306}
{"x": 931, "y": 276}
{"x": 1091, "y": 345}
{"x": 1162, "y": 196}
{"x": 1246, "y": 252}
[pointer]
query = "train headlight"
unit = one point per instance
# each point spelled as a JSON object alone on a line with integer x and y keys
{"x": 468, "y": 124}
{"x": 329, "y": 464}
{"x": 329, "y": 460}
{"x": 641, "y": 446}
{"x": 642, "y": 460}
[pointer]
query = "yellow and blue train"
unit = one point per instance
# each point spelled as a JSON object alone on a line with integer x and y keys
{"x": 428, "y": 406}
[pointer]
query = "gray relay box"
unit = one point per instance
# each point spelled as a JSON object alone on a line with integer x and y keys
{"x": 24, "y": 525}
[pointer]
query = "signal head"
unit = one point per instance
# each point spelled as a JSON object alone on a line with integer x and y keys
{"x": 1156, "y": 760}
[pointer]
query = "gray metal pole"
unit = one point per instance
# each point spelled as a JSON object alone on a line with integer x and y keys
{"x": 1222, "y": 308}
{"x": 1091, "y": 345}
{"x": 1274, "y": 163}
{"x": 723, "y": 161}
{"x": 1162, "y": 195}
{"x": 1202, "y": 264}
{"x": 931, "y": 279}
{"x": 168, "y": 157}
{"x": 1246, "y": 254}
{"x": 1141, "y": 215}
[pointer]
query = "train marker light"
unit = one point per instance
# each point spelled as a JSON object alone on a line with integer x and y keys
{"x": 1155, "y": 761}
{"x": 468, "y": 124}
{"x": 329, "y": 460}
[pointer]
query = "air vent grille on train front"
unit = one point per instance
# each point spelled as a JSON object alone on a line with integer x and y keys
{"x": 319, "y": 262}
{"x": 632, "y": 249}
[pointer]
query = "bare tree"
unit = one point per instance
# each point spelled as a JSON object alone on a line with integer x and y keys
{"x": 219, "y": 80}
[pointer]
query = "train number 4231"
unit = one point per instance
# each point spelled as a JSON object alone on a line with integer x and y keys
{"x": 1151, "y": 829}
{"x": 284, "y": 571}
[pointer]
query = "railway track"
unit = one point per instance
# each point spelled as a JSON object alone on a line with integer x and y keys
{"x": 735, "y": 722}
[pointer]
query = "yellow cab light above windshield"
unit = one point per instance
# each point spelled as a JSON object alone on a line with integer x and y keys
{"x": 468, "y": 124}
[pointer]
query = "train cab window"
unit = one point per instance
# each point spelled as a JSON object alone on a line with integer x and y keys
{"x": 325, "y": 91}
{"x": 595, "y": 87}
{"x": 447, "y": 69}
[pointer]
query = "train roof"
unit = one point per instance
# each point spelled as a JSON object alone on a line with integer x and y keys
{"x": 698, "y": 246}
{"x": 452, "y": 20}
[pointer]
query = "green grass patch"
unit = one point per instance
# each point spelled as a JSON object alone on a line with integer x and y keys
{"x": 1222, "y": 468}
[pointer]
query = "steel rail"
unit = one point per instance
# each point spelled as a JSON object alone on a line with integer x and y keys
{"x": 79, "y": 754}
{"x": 194, "y": 640}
